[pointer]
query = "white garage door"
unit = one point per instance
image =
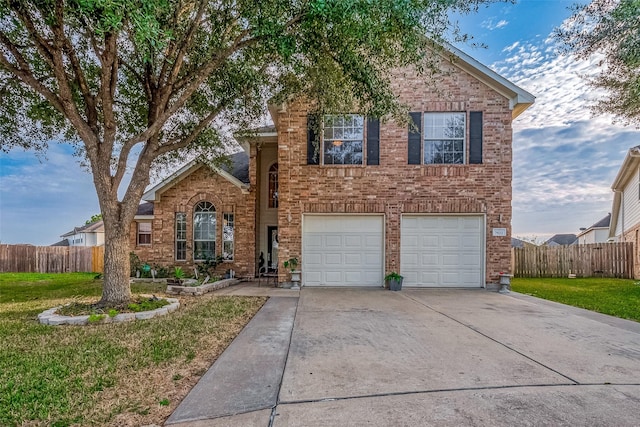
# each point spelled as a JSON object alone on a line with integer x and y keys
{"x": 442, "y": 251}
{"x": 342, "y": 250}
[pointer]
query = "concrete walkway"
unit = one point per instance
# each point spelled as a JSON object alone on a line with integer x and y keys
{"x": 351, "y": 357}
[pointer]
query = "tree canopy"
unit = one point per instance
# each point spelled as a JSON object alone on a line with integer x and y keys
{"x": 134, "y": 83}
{"x": 610, "y": 28}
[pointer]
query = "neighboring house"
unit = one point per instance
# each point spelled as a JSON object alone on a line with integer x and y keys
{"x": 87, "y": 235}
{"x": 625, "y": 212}
{"x": 519, "y": 243}
{"x": 431, "y": 200}
{"x": 597, "y": 233}
{"x": 562, "y": 240}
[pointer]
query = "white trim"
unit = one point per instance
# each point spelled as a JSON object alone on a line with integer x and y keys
{"x": 154, "y": 192}
{"x": 143, "y": 217}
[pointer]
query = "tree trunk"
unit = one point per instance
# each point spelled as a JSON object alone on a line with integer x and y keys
{"x": 116, "y": 289}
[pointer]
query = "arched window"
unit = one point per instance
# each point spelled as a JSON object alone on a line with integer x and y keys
{"x": 204, "y": 231}
{"x": 273, "y": 186}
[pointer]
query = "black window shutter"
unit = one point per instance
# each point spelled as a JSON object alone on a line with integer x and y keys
{"x": 415, "y": 139}
{"x": 373, "y": 141}
{"x": 313, "y": 157}
{"x": 475, "y": 137}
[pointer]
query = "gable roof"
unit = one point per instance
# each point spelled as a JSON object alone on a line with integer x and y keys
{"x": 145, "y": 209}
{"x": 237, "y": 173}
{"x": 630, "y": 165}
{"x": 519, "y": 99}
{"x": 562, "y": 239}
{"x": 518, "y": 243}
{"x": 603, "y": 223}
{"x": 94, "y": 227}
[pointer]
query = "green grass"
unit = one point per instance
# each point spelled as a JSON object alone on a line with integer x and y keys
{"x": 616, "y": 297}
{"x": 104, "y": 374}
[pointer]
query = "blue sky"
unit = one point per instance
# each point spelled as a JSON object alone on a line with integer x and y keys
{"x": 564, "y": 158}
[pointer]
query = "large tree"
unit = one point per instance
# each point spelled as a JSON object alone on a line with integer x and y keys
{"x": 610, "y": 28}
{"x": 134, "y": 83}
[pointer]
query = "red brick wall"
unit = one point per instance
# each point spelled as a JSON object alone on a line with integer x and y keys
{"x": 201, "y": 185}
{"x": 396, "y": 187}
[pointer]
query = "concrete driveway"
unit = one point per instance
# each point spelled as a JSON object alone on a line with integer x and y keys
{"x": 352, "y": 357}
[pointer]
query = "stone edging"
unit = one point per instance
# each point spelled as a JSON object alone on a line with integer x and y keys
{"x": 49, "y": 317}
{"x": 202, "y": 289}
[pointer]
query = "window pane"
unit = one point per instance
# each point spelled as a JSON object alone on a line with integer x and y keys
{"x": 181, "y": 236}
{"x": 227, "y": 236}
{"x": 203, "y": 250}
{"x": 144, "y": 233}
{"x": 273, "y": 186}
{"x": 444, "y": 138}
{"x": 343, "y": 139}
{"x": 204, "y": 231}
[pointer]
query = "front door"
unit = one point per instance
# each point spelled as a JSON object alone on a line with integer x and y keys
{"x": 272, "y": 248}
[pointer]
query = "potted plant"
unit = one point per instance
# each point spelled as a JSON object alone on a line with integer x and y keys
{"x": 292, "y": 265}
{"x": 394, "y": 281}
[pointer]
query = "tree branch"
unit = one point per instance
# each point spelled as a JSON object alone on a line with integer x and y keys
{"x": 24, "y": 73}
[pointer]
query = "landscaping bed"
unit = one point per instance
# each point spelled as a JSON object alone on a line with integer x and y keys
{"x": 114, "y": 374}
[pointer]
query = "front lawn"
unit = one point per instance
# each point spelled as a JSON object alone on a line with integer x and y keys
{"x": 616, "y": 297}
{"x": 126, "y": 374}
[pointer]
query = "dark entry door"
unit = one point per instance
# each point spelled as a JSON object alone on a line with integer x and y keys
{"x": 272, "y": 247}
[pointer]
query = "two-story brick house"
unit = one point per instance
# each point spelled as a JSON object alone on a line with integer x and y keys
{"x": 361, "y": 197}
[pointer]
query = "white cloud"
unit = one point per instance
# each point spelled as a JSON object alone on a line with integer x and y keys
{"x": 511, "y": 47}
{"x": 565, "y": 159}
{"x": 491, "y": 24}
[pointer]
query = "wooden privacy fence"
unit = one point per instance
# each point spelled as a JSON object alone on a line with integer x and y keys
{"x": 51, "y": 259}
{"x": 598, "y": 259}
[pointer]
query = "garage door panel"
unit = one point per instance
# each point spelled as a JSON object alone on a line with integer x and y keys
{"x": 352, "y": 241}
{"x": 312, "y": 276}
{"x": 428, "y": 241}
{"x": 451, "y": 260}
{"x": 449, "y": 223}
{"x": 470, "y": 260}
{"x": 442, "y": 250}
{"x": 332, "y": 241}
{"x": 411, "y": 259}
{"x": 373, "y": 240}
{"x": 427, "y": 260}
{"x": 352, "y": 259}
{"x": 470, "y": 242}
{"x": 350, "y": 247}
{"x": 332, "y": 259}
{"x": 314, "y": 241}
{"x": 372, "y": 260}
{"x": 450, "y": 278}
{"x": 427, "y": 277}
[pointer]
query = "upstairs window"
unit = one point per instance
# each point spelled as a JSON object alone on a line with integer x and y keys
{"x": 273, "y": 186}
{"x": 343, "y": 137}
{"x": 444, "y": 138}
{"x": 204, "y": 231}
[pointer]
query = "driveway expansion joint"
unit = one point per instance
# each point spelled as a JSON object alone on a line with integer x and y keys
{"x": 494, "y": 340}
